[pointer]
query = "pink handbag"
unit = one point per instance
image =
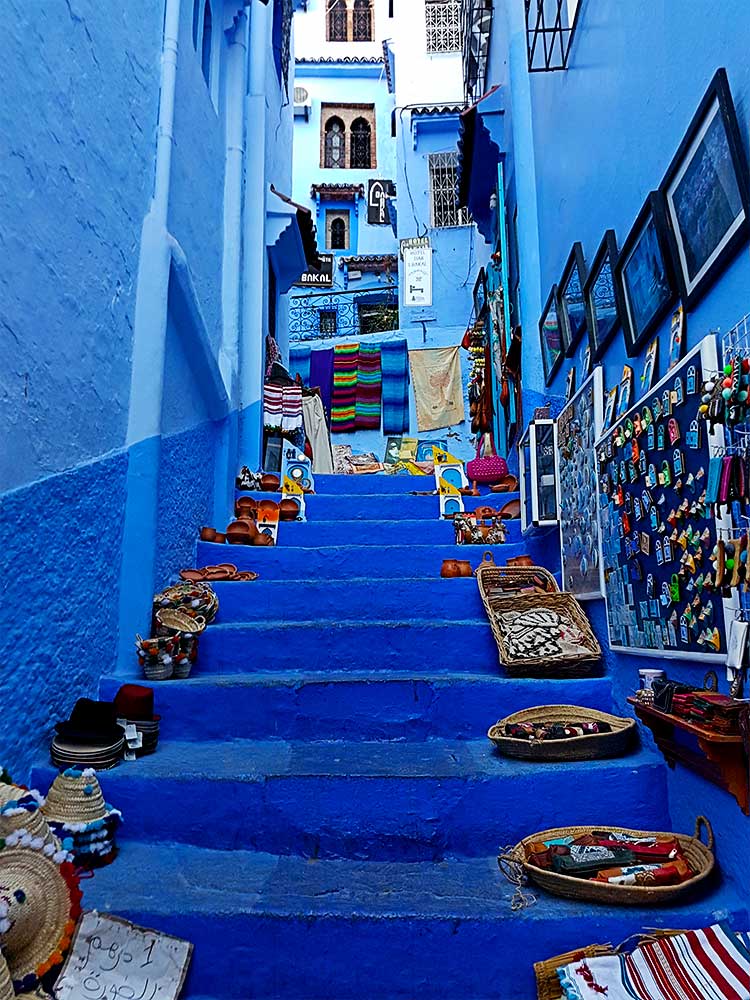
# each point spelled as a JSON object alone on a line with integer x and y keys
{"x": 488, "y": 467}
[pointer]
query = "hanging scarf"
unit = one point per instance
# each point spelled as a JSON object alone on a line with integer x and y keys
{"x": 344, "y": 403}
{"x": 369, "y": 385}
{"x": 394, "y": 360}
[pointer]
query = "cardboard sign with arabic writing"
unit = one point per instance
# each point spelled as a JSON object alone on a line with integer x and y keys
{"x": 111, "y": 958}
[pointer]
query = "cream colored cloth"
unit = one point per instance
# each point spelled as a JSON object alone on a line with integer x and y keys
{"x": 438, "y": 392}
{"x": 316, "y": 429}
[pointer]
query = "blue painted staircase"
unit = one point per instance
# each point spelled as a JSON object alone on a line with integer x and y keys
{"x": 324, "y": 811}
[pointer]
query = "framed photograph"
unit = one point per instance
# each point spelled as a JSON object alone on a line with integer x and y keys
{"x": 649, "y": 365}
{"x": 626, "y": 390}
{"x": 480, "y": 294}
{"x": 644, "y": 272}
{"x": 550, "y": 337}
{"x": 707, "y": 194}
{"x": 610, "y": 408}
{"x": 676, "y": 337}
{"x": 570, "y": 384}
{"x": 571, "y": 305}
{"x": 603, "y": 297}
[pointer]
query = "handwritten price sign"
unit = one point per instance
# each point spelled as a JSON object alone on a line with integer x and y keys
{"x": 112, "y": 959}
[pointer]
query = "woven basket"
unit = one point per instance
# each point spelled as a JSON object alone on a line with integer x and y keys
{"x": 577, "y": 664}
{"x": 197, "y": 600}
{"x": 158, "y": 671}
{"x": 591, "y": 747}
{"x": 171, "y": 621}
{"x": 699, "y": 855}
{"x": 498, "y": 582}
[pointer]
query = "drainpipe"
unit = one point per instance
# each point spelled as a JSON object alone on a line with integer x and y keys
{"x": 143, "y": 440}
{"x": 252, "y": 335}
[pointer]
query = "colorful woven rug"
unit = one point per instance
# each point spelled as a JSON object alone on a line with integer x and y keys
{"x": 394, "y": 359}
{"x": 321, "y": 376}
{"x": 369, "y": 386}
{"x": 344, "y": 402}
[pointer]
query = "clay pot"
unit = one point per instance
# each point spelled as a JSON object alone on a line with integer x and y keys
{"x": 220, "y": 537}
{"x": 208, "y": 534}
{"x": 288, "y": 510}
{"x": 250, "y": 526}
{"x": 269, "y": 482}
{"x": 450, "y": 569}
{"x": 245, "y": 507}
{"x": 520, "y": 561}
{"x": 262, "y": 539}
{"x": 464, "y": 567}
{"x": 240, "y": 533}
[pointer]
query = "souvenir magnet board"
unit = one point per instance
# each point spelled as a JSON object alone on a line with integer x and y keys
{"x": 578, "y": 427}
{"x": 657, "y": 532}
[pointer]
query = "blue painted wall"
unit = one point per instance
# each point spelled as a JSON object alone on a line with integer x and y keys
{"x": 588, "y": 145}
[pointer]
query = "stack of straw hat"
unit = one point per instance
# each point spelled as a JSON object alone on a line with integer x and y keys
{"x": 20, "y": 809}
{"x": 76, "y": 811}
{"x": 40, "y": 904}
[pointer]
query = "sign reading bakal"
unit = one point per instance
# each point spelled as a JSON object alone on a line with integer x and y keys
{"x": 319, "y": 279}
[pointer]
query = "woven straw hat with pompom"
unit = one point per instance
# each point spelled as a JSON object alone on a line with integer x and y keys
{"x": 75, "y": 799}
{"x": 40, "y": 902}
{"x": 6, "y": 984}
{"x": 21, "y": 809}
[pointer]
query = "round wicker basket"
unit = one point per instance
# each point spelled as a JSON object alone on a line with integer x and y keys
{"x": 699, "y": 855}
{"x": 592, "y": 747}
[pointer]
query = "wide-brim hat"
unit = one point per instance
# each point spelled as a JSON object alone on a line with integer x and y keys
{"x": 80, "y": 755}
{"x": 21, "y": 809}
{"x": 6, "y": 983}
{"x": 135, "y": 702}
{"x": 75, "y": 801}
{"x": 38, "y": 920}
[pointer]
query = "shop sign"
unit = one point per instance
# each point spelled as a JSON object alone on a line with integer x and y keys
{"x": 417, "y": 286}
{"x": 377, "y": 202}
{"x": 319, "y": 279}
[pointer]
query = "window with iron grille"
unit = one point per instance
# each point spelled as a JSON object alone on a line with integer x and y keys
{"x": 335, "y": 144}
{"x": 337, "y": 230}
{"x": 362, "y": 21}
{"x": 550, "y": 28}
{"x": 444, "y": 210}
{"x": 377, "y": 317}
{"x": 360, "y": 144}
{"x": 443, "y": 24}
{"x": 328, "y": 321}
{"x": 337, "y": 21}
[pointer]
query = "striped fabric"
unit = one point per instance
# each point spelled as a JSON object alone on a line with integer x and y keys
{"x": 344, "y": 402}
{"x": 394, "y": 359}
{"x": 369, "y": 387}
{"x": 710, "y": 964}
{"x": 299, "y": 363}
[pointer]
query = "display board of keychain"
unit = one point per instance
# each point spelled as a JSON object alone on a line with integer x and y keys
{"x": 658, "y": 531}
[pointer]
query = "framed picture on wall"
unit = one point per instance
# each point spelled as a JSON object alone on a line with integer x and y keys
{"x": 603, "y": 297}
{"x": 644, "y": 272}
{"x": 571, "y": 304}
{"x": 550, "y": 337}
{"x": 707, "y": 193}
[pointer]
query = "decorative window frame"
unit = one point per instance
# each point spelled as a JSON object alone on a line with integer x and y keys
{"x": 348, "y": 113}
{"x": 350, "y": 20}
{"x": 442, "y": 170}
{"x": 443, "y": 27}
{"x": 332, "y": 214}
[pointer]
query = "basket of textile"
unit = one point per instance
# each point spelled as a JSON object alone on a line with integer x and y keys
{"x": 198, "y": 600}
{"x": 157, "y": 655}
{"x": 563, "y": 732}
{"x": 543, "y": 635}
{"x": 547, "y": 980}
{"x": 498, "y": 582}
{"x": 615, "y": 865}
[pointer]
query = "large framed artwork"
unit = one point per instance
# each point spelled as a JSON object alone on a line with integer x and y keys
{"x": 644, "y": 272}
{"x": 551, "y": 337}
{"x": 706, "y": 193}
{"x": 603, "y": 297}
{"x": 571, "y": 303}
{"x": 658, "y": 532}
{"x": 578, "y": 427}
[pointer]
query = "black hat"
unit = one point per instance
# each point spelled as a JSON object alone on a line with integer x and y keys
{"x": 93, "y": 723}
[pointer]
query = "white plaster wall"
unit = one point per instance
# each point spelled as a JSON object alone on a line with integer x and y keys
{"x": 423, "y": 77}
{"x": 310, "y": 32}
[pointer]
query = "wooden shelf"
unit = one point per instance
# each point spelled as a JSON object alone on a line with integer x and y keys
{"x": 719, "y": 758}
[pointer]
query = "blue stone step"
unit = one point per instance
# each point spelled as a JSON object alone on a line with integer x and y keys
{"x": 315, "y": 534}
{"x": 263, "y": 600}
{"x": 374, "y": 800}
{"x": 372, "y": 484}
{"x": 382, "y": 507}
{"x": 279, "y": 928}
{"x": 354, "y": 705}
{"x": 346, "y": 562}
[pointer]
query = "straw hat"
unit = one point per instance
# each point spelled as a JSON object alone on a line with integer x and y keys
{"x": 21, "y": 809}
{"x": 40, "y": 904}
{"x": 6, "y": 984}
{"x": 75, "y": 800}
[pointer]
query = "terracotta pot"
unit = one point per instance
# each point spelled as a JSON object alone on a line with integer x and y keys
{"x": 208, "y": 534}
{"x": 450, "y": 569}
{"x": 520, "y": 561}
{"x": 242, "y": 531}
{"x": 250, "y": 525}
{"x": 220, "y": 537}
{"x": 288, "y": 510}
{"x": 464, "y": 567}
{"x": 240, "y": 540}
{"x": 245, "y": 506}
{"x": 262, "y": 539}
{"x": 269, "y": 482}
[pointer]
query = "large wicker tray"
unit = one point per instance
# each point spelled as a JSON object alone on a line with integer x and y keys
{"x": 699, "y": 855}
{"x": 592, "y": 747}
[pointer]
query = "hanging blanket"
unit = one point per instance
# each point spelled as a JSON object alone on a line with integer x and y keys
{"x": 291, "y": 408}
{"x": 321, "y": 376}
{"x": 711, "y": 964}
{"x": 344, "y": 403}
{"x": 299, "y": 363}
{"x": 438, "y": 392}
{"x": 273, "y": 404}
{"x": 394, "y": 360}
{"x": 369, "y": 385}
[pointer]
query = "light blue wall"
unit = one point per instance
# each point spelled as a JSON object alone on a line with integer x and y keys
{"x": 588, "y": 146}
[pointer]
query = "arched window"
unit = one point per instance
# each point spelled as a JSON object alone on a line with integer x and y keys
{"x": 335, "y": 142}
{"x": 337, "y": 18}
{"x": 360, "y": 143}
{"x": 338, "y": 234}
{"x": 206, "y": 44}
{"x": 362, "y": 25}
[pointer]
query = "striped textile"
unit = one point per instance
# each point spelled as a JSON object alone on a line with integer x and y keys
{"x": 709, "y": 964}
{"x": 299, "y": 363}
{"x": 369, "y": 386}
{"x": 291, "y": 417}
{"x": 394, "y": 360}
{"x": 344, "y": 402}
{"x": 273, "y": 405}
